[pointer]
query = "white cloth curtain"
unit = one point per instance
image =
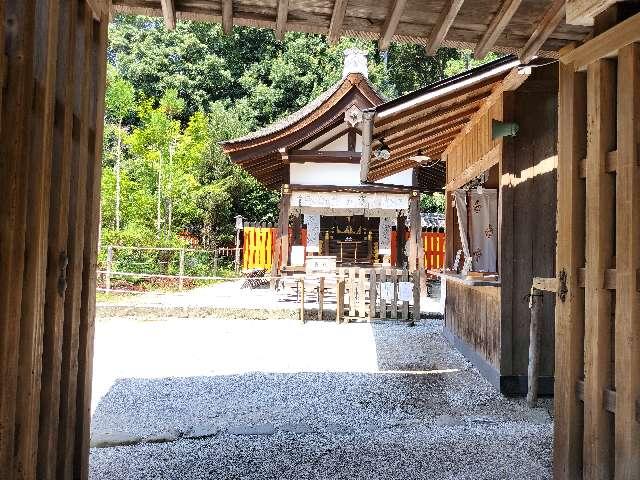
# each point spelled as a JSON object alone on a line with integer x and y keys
{"x": 384, "y": 235}
{"x": 460, "y": 197}
{"x": 484, "y": 229}
{"x": 313, "y": 232}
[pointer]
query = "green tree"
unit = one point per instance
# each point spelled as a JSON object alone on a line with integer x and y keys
{"x": 119, "y": 104}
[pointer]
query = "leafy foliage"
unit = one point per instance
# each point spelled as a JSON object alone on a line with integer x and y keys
{"x": 172, "y": 96}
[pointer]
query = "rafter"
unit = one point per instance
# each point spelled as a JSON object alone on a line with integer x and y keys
{"x": 390, "y": 24}
{"x": 281, "y": 19}
{"x": 169, "y": 13}
{"x": 496, "y": 27}
{"x": 337, "y": 19}
{"x": 442, "y": 26}
{"x": 227, "y": 16}
{"x": 545, "y": 27}
{"x": 583, "y": 12}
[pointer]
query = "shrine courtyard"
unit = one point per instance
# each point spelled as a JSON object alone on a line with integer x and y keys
{"x": 190, "y": 398}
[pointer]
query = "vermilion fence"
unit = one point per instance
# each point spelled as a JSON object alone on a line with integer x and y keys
{"x": 258, "y": 247}
{"x": 434, "y": 245}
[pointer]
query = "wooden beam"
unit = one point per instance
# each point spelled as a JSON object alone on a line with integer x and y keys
{"x": 570, "y": 255}
{"x": 281, "y": 19}
{"x": 604, "y": 45}
{"x": 442, "y": 25}
{"x": 227, "y": 16}
{"x": 546, "y": 284}
{"x": 169, "y": 13}
{"x": 543, "y": 30}
{"x": 57, "y": 245}
{"x": 320, "y": 156}
{"x": 600, "y": 250}
{"x": 76, "y": 245}
{"x": 496, "y": 27}
{"x": 19, "y": 26}
{"x": 583, "y": 12}
{"x": 337, "y": 19}
{"x": 367, "y": 133}
{"x": 390, "y": 24}
{"x": 610, "y": 166}
{"x": 39, "y": 159}
{"x": 627, "y": 306}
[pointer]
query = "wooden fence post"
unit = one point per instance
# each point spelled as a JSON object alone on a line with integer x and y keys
{"x": 320, "y": 298}
{"x": 340, "y": 300}
{"x": 215, "y": 262}
{"x": 535, "y": 304}
{"x": 301, "y": 291}
{"x": 181, "y": 279}
{"x": 107, "y": 281}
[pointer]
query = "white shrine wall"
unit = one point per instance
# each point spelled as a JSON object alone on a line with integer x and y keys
{"x": 340, "y": 174}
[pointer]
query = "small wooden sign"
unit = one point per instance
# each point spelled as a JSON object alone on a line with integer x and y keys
{"x": 320, "y": 264}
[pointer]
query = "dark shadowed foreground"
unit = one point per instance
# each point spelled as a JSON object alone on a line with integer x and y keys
{"x": 418, "y": 410}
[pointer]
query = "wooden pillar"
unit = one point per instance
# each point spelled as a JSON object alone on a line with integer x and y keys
{"x": 600, "y": 251}
{"x": 401, "y": 229}
{"x": 57, "y": 246}
{"x": 416, "y": 251}
{"x": 281, "y": 253}
{"x": 570, "y": 256}
{"x": 14, "y": 175}
{"x": 627, "y": 324}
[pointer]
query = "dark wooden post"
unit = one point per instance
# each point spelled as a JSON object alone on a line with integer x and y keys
{"x": 281, "y": 254}
{"x": 535, "y": 304}
{"x": 416, "y": 251}
{"x": 400, "y": 241}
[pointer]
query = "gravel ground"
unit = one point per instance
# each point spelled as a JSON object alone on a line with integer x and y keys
{"x": 366, "y": 401}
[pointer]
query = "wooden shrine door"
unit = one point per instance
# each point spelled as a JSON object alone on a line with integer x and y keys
{"x": 52, "y": 82}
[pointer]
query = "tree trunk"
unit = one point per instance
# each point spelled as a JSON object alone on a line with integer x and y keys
{"x": 159, "y": 197}
{"x": 117, "y": 171}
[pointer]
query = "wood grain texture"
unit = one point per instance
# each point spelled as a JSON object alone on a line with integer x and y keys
{"x": 90, "y": 253}
{"x": 57, "y": 245}
{"x": 227, "y": 16}
{"x": 583, "y": 12}
{"x": 627, "y": 307}
{"x": 390, "y": 24}
{"x": 76, "y": 244}
{"x": 443, "y": 24}
{"x": 281, "y": 19}
{"x": 496, "y": 27}
{"x": 39, "y": 161}
{"x": 169, "y": 13}
{"x": 544, "y": 28}
{"x": 337, "y": 19}
{"x": 14, "y": 175}
{"x": 606, "y": 44}
{"x": 600, "y": 250}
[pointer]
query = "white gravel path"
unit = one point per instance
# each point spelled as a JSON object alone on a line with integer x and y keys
{"x": 278, "y": 399}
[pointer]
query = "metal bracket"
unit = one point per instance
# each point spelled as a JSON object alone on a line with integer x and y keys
{"x": 63, "y": 261}
{"x": 562, "y": 287}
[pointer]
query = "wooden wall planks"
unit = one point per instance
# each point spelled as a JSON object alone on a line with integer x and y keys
{"x": 52, "y": 118}
{"x": 627, "y": 297}
{"x": 570, "y": 256}
{"x": 600, "y": 252}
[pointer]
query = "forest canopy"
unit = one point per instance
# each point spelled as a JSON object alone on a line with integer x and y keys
{"x": 172, "y": 96}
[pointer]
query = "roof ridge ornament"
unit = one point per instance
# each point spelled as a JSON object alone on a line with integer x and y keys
{"x": 355, "y": 61}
